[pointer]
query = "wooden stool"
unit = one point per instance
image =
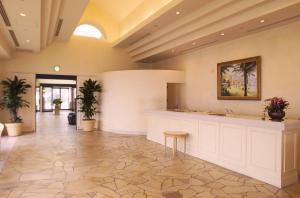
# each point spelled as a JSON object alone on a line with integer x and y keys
{"x": 175, "y": 135}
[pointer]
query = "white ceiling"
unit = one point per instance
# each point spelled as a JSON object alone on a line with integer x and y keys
{"x": 163, "y": 35}
{"x": 39, "y": 28}
{"x": 118, "y": 9}
{"x": 200, "y": 24}
{"x": 25, "y": 28}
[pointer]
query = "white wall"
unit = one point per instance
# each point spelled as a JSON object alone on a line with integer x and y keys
{"x": 280, "y": 52}
{"x": 128, "y": 94}
{"x": 78, "y": 56}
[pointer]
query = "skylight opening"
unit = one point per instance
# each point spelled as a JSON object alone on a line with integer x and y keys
{"x": 86, "y": 30}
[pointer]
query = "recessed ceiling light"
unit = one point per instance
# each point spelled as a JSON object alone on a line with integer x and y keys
{"x": 23, "y": 14}
{"x": 222, "y": 34}
{"x": 262, "y": 21}
{"x": 177, "y": 12}
{"x": 27, "y": 41}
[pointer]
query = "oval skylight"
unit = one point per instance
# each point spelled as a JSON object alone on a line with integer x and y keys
{"x": 87, "y": 31}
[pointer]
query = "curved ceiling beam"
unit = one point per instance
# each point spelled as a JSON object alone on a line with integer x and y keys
{"x": 5, "y": 48}
{"x": 55, "y": 10}
{"x": 204, "y": 25}
{"x": 70, "y": 17}
{"x": 203, "y": 21}
{"x": 208, "y": 7}
{"x": 46, "y": 17}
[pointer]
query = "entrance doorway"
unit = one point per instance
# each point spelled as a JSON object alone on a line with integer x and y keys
{"x": 48, "y": 89}
{"x": 47, "y": 93}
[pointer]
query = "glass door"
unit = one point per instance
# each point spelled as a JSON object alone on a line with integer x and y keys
{"x": 47, "y": 99}
{"x": 56, "y": 93}
{"x": 66, "y": 94}
{"x": 37, "y": 99}
{"x": 65, "y": 97}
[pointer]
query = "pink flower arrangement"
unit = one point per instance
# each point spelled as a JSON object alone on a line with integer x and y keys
{"x": 276, "y": 104}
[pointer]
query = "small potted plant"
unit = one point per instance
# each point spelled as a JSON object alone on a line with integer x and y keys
{"x": 57, "y": 102}
{"x": 275, "y": 107}
{"x": 88, "y": 103}
{"x": 12, "y": 100}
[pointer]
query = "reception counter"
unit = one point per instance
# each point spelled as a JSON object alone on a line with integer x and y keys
{"x": 264, "y": 150}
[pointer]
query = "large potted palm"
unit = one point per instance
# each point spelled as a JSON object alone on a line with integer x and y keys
{"x": 12, "y": 100}
{"x": 88, "y": 103}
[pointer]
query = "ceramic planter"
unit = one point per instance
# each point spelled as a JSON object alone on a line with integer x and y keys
{"x": 276, "y": 116}
{"x": 56, "y": 109}
{"x": 88, "y": 125}
{"x": 1, "y": 129}
{"x": 14, "y": 129}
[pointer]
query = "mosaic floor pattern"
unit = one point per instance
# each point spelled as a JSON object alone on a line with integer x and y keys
{"x": 69, "y": 164}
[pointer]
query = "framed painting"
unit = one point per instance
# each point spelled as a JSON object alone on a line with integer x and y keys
{"x": 240, "y": 79}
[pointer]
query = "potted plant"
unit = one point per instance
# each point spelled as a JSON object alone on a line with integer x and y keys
{"x": 57, "y": 102}
{"x": 88, "y": 102}
{"x": 275, "y": 107}
{"x": 12, "y": 100}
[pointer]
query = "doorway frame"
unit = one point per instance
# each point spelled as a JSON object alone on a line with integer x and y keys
{"x": 54, "y": 77}
{"x": 56, "y": 86}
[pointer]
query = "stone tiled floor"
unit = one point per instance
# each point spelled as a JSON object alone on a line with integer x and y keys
{"x": 60, "y": 162}
{"x": 6, "y": 145}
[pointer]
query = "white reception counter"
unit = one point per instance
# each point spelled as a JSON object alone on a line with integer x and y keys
{"x": 264, "y": 150}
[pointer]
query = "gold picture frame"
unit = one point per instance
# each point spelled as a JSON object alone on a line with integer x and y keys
{"x": 239, "y": 79}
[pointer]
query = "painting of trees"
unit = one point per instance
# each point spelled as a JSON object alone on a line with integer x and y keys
{"x": 246, "y": 69}
{"x": 239, "y": 79}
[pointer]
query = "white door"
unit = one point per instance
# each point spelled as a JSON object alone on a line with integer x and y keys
{"x": 28, "y": 114}
{"x": 80, "y": 81}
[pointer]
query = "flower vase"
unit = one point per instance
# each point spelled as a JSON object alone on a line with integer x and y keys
{"x": 276, "y": 116}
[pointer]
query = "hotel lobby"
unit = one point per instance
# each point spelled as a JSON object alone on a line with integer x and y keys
{"x": 149, "y": 98}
